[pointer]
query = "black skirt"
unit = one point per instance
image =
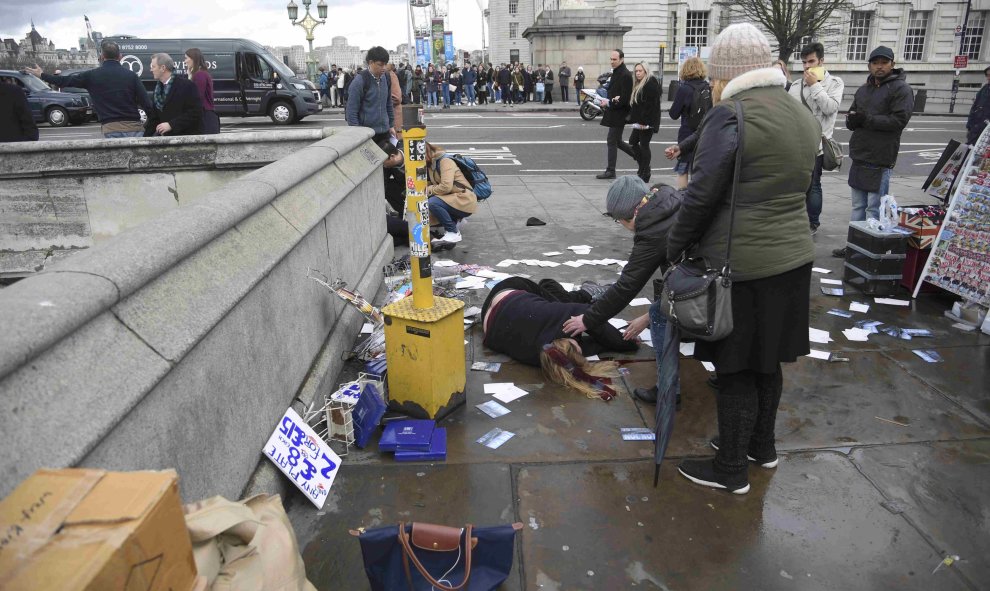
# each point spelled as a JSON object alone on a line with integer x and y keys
{"x": 770, "y": 324}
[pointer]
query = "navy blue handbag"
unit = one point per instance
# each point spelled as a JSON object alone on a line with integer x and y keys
{"x": 424, "y": 557}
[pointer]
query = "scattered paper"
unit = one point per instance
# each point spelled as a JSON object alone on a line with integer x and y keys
{"x": 833, "y": 291}
{"x": 820, "y": 270}
{"x": 486, "y": 366}
{"x": 367, "y": 328}
{"x": 506, "y": 391}
{"x": 709, "y": 366}
{"x": 640, "y": 302}
{"x": 818, "y": 336}
{"x": 579, "y": 247}
{"x": 838, "y": 312}
{"x": 552, "y": 254}
{"x": 637, "y": 434}
{"x": 918, "y": 332}
{"x": 929, "y": 355}
{"x": 964, "y": 327}
{"x": 896, "y": 332}
{"x": 859, "y": 307}
{"x": 506, "y": 263}
{"x": 567, "y": 286}
{"x": 819, "y": 354}
{"x": 491, "y": 274}
{"x": 472, "y": 311}
{"x": 618, "y": 322}
{"x": 495, "y": 438}
{"x": 892, "y": 302}
{"x": 493, "y": 409}
{"x": 574, "y": 264}
{"x": 857, "y": 334}
{"x": 831, "y": 281}
{"x": 444, "y": 263}
{"x": 593, "y": 358}
{"x": 646, "y": 336}
{"x": 869, "y": 325}
{"x": 687, "y": 349}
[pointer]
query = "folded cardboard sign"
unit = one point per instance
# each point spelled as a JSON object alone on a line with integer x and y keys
{"x": 91, "y": 529}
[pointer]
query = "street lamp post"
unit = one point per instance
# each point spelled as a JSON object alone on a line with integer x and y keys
{"x": 309, "y": 24}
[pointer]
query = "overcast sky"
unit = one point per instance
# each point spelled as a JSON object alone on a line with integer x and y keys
{"x": 363, "y": 22}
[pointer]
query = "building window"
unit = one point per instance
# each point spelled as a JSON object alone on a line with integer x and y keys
{"x": 973, "y": 42}
{"x": 696, "y": 30}
{"x": 513, "y": 30}
{"x": 859, "y": 35}
{"x": 797, "y": 50}
{"x": 914, "y": 39}
{"x": 513, "y": 6}
{"x": 513, "y": 56}
{"x": 580, "y": 37}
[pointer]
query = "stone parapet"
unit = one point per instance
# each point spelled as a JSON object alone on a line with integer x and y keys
{"x": 181, "y": 341}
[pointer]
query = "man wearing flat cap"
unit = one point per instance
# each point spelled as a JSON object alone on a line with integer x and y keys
{"x": 879, "y": 113}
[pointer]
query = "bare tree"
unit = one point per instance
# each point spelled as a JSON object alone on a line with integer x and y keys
{"x": 789, "y": 21}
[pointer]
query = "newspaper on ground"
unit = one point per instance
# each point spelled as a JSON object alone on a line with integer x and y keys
{"x": 495, "y": 438}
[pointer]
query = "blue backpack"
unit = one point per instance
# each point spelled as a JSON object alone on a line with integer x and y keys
{"x": 479, "y": 180}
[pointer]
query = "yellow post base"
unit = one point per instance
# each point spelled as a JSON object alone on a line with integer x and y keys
{"x": 425, "y": 353}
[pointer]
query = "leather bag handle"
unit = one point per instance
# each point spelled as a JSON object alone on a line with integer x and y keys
{"x": 409, "y": 555}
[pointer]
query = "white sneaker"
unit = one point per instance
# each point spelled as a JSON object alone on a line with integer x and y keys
{"x": 450, "y": 237}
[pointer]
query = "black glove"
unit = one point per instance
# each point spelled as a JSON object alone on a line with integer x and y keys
{"x": 855, "y": 120}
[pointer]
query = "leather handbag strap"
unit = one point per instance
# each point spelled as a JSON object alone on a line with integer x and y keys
{"x": 726, "y": 270}
{"x": 408, "y": 555}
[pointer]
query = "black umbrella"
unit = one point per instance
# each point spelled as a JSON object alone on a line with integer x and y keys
{"x": 668, "y": 385}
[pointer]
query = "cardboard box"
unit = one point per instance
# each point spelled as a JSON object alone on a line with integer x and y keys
{"x": 95, "y": 530}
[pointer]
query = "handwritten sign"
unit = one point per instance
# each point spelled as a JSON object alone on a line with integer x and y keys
{"x": 301, "y": 455}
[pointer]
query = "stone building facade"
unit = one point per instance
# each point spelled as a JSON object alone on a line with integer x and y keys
{"x": 38, "y": 49}
{"x": 922, "y": 34}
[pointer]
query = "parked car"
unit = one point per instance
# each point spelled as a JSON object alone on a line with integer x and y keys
{"x": 57, "y": 108}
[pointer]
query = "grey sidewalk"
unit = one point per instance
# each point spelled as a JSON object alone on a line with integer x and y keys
{"x": 885, "y": 458}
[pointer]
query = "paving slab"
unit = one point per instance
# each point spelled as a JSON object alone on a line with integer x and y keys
{"x": 964, "y": 376}
{"x": 941, "y": 488}
{"x": 371, "y": 497}
{"x": 813, "y": 523}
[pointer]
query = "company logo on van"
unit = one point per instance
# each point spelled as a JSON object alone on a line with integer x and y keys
{"x": 132, "y": 63}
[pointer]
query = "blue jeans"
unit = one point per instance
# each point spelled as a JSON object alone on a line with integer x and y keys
{"x": 445, "y": 214}
{"x": 431, "y": 99}
{"x": 120, "y": 134}
{"x": 666, "y": 345}
{"x": 498, "y": 94}
{"x": 446, "y": 94}
{"x": 813, "y": 199}
{"x": 867, "y": 203}
{"x": 537, "y": 96}
{"x": 470, "y": 92}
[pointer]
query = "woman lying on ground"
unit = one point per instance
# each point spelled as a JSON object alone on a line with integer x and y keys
{"x": 524, "y": 320}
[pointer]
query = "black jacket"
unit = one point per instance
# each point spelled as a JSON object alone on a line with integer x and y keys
{"x": 16, "y": 120}
{"x": 620, "y": 86}
{"x": 681, "y": 107}
{"x": 504, "y": 78}
{"x": 183, "y": 110}
{"x": 116, "y": 91}
{"x": 649, "y": 253}
{"x": 647, "y": 108}
{"x": 978, "y": 115}
{"x": 887, "y": 104}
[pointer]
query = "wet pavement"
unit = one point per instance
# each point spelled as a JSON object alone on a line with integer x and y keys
{"x": 885, "y": 459}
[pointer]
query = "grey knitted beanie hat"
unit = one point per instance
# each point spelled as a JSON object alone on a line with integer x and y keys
{"x": 624, "y": 196}
{"x": 738, "y": 49}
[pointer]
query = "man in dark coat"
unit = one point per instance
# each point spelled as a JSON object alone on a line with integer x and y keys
{"x": 16, "y": 121}
{"x": 505, "y": 84}
{"x": 649, "y": 214}
{"x": 979, "y": 113}
{"x": 619, "y": 94}
{"x": 879, "y": 113}
{"x": 176, "y": 107}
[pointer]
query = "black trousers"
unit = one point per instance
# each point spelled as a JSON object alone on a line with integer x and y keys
{"x": 639, "y": 143}
{"x": 747, "y": 404}
{"x": 548, "y": 95}
{"x": 614, "y": 142}
{"x": 563, "y": 93}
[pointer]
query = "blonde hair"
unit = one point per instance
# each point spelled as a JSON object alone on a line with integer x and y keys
{"x": 639, "y": 84}
{"x": 717, "y": 87}
{"x": 694, "y": 69}
{"x": 559, "y": 374}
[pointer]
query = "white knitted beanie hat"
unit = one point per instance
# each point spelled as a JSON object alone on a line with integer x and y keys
{"x": 738, "y": 49}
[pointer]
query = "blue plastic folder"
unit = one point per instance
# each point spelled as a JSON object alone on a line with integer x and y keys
{"x": 408, "y": 435}
{"x": 437, "y": 451}
{"x": 367, "y": 413}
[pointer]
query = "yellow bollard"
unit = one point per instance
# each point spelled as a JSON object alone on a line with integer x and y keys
{"x": 423, "y": 334}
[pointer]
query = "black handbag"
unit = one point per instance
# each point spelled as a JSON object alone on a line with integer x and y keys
{"x": 696, "y": 297}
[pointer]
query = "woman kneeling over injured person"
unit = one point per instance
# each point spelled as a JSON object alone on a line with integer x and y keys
{"x": 523, "y": 320}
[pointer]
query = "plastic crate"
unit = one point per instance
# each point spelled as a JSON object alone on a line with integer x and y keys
{"x": 874, "y": 264}
{"x": 876, "y": 242}
{"x": 881, "y": 285}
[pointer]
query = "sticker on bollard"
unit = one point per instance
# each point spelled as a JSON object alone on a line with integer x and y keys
{"x": 302, "y": 456}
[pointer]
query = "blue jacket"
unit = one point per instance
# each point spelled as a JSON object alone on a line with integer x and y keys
{"x": 116, "y": 91}
{"x": 369, "y": 102}
{"x": 469, "y": 76}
